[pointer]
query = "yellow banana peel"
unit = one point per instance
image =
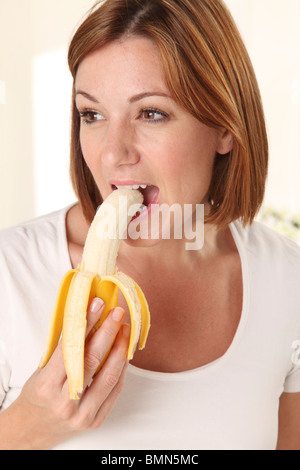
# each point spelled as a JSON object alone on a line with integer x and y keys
{"x": 97, "y": 276}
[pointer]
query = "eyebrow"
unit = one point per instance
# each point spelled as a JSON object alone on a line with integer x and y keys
{"x": 141, "y": 96}
{"x": 131, "y": 100}
{"x": 87, "y": 95}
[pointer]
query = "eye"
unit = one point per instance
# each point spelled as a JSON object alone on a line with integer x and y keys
{"x": 153, "y": 115}
{"x": 89, "y": 117}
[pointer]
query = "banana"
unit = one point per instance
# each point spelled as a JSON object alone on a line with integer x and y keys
{"x": 97, "y": 276}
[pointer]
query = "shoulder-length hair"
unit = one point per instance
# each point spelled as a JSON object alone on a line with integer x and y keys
{"x": 208, "y": 71}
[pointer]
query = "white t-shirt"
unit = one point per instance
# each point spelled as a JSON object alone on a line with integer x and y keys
{"x": 231, "y": 403}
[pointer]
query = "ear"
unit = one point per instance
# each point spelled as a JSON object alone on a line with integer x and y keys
{"x": 225, "y": 142}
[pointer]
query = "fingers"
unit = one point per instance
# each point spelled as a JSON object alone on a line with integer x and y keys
{"x": 94, "y": 312}
{"x": 55, "y": 365}
{"x": 48, "y": 390}
{"x": 110, "y": 343}
{"x": 100, "y": 344}
{"x": 107, "y": 406}
{"x": 106, "y": 386}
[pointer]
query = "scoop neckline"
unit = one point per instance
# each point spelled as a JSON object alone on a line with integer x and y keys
{"x": 211, "y": 366}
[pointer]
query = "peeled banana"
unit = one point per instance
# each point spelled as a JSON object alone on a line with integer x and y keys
{"x": 97, "y": 276}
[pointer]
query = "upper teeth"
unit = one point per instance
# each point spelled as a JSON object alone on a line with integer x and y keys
{"x": 132, "y": 186}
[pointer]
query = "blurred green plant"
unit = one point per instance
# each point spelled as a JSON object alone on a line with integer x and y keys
{"x": 282, "y": 222}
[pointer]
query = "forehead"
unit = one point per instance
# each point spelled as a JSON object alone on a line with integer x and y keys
{"x": 134, "y": 63}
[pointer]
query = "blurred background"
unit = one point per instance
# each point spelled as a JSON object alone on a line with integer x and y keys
{"x": 35, "y": 96}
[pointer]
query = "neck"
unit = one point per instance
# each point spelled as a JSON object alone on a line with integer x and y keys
{"x": 174, "y": 253}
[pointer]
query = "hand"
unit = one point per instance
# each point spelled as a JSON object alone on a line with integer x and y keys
{"x": 43, "y": 415}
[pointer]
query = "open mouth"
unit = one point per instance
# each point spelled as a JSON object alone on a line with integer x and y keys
{"x": 150, "y": 192}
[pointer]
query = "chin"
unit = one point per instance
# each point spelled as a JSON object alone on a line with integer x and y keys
{"x": 143, "y": 243}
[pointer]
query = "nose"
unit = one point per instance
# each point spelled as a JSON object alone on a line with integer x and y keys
{"x": 119, "y": 145}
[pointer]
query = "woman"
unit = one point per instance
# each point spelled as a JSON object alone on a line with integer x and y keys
{"x": 164, "y": 96}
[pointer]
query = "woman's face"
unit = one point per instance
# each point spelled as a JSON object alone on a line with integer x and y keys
{"x": 134, "y": 133}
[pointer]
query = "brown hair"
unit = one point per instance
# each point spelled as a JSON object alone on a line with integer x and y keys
{"x": 208, "y": 71}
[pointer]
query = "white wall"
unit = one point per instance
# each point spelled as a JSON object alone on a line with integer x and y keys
{"x": 34, "y": 105}
{"x": 35, "y": 91}
{"x": 271, "y": 30}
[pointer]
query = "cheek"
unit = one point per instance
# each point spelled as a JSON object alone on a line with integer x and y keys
{"x": 90, "y": 150}
{"x": 192, "y": 167}
{"x": 190, "y": 157}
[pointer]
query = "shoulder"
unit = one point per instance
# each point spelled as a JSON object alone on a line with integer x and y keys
{"x": 267, "y": 246}
{"x": 34, "y": 230}
{"x": 35, "y": 242}
{"x": 273, "y": 262}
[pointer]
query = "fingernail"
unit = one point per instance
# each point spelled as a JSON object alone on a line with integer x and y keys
{"x": 118, "y": 313}
{"x": 96, "y": 305}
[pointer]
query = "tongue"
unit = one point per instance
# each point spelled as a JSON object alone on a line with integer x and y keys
{"x": 149, "y": 194}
